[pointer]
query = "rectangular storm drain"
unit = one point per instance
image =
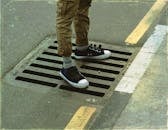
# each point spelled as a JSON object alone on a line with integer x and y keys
{"x": 42, "y": 67}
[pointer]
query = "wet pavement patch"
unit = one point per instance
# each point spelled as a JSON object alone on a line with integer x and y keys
{"x": 110, "y": 113}
{"x": 41, "y": 68}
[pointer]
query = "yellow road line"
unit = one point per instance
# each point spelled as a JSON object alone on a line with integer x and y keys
{"x": 146, "y": 22}
{"x": 80, "y": 118}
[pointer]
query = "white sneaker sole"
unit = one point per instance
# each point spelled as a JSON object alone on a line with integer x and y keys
{"x": 106, "y": 55}
{"x": 76, "y": 85}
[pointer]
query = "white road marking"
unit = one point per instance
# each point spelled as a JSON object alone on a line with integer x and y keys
{"x": 141, "y": 62}
{"x": 167, "y": 113}
{"x": 167, "y": 45}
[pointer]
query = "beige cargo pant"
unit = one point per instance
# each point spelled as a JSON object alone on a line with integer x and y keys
{"x": 69, "y": 11}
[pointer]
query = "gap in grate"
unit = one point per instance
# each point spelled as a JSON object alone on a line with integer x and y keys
{"x": 85, "y": 74}
{"x": 35, "y": 81}
{"x": 84, "y": 91}
{"x": 100, "y": 73}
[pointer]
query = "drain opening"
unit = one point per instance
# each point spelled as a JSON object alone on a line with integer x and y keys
{"x": 51, "y": 54}
{"x": 85, "y": 74}
{"x": 98, "y": 77}
{"x": 84, "y": 91}
{"x": 59, "y": 78}
{"x": 120, "y": 52}
{"x": 99, "y": 81}
{"x": 72, "y": 43}
{"x": 104, "y": 63}
{"x": 52, "y": 47}
{"x": 99, "y": 85}
{"x": 89, "y": 61}
{"x": 42, "y": 74}
{"x": 55, "y": 48}
{"x": 118, "y": 58}
{"x": 111, "y": 57}
{"x": 113, "y": 51}
{"x": 49, "y": 60}
{"x": 45, "y": 67}
{"x": 36, "y": 81}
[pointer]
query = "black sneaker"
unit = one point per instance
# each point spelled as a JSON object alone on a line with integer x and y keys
{"x": 93, "y": 52}
{"x": 74, "y": 77}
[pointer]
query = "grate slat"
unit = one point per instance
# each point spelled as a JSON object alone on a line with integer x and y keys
{"x": 104, "y": 63}
{"x": 100, "y": 69}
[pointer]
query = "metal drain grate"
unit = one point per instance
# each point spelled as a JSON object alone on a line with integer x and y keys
{"x": 44, "y": 67}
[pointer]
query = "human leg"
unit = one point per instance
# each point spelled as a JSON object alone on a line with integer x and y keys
{"x": 82, "y": 23}
{"x": 66, "y": 10}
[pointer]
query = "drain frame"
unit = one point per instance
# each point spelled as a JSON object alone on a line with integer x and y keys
{"x": 45, "y": 53}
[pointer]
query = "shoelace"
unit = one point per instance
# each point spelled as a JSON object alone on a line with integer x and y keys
{"x": 95, "y": 48}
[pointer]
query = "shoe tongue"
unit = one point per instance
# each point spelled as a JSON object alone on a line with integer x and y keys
{"x": 70, "y": 68}
{"x": 82, "y": 48}
{"x": 76, "y": 73}
{"x": 73, "y": 68}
